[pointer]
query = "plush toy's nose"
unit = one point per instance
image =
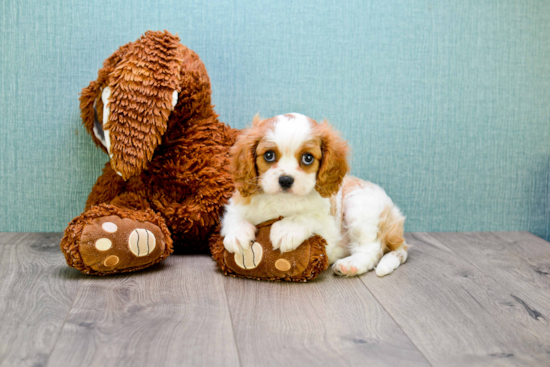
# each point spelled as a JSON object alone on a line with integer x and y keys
{"x": 286, "y": 181}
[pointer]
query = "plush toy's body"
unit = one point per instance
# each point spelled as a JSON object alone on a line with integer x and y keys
{"x": 167, "y": 180}
{"x": 262, "y": 262}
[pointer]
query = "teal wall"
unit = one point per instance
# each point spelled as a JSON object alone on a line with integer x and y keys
{"x": 446, "y": 104}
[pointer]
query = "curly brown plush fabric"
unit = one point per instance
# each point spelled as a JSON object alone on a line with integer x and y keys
{"x": 300, "y": 265}
{"x": 165, "y": 160}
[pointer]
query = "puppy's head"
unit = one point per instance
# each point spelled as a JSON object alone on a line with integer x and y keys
{"x": 289, "y": 154}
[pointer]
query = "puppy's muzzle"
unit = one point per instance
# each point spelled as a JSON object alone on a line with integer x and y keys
{"x": 286, "y": 182}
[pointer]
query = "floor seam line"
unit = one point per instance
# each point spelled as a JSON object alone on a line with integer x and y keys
{"x": 231, "y": 320}
{"x": 394, "y": 320}
{"x": 64, "y": 322}
{"x": 467, "y": 260}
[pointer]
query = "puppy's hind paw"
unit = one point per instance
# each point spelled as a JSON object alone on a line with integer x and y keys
{"x": 389, "y": 263}
{"x": 353, "y": 265}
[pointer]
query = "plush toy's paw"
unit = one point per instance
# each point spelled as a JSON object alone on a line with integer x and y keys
{"x": 264, "y": 262}
{"x": 112, "y": 244}
{"x": 240, "y": 238}
{"x": 356, "y": 264}
{"x": 287, "y": 236}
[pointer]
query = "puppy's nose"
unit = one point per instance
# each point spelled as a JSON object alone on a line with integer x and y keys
{"x": 286, "y": 181}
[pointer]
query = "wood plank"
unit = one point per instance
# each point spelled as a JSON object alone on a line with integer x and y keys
{"x": 38, "y": 289}
{"x": 518, "y": 262}
{"x": 457, "y": 314}
{"x": 330, "y": 321}
{"x": 172, "y": 314}
{"x": 12, "y": 238}
{"x": 535, "y": 253}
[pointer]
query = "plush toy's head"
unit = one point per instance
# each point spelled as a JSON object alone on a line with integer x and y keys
{"x": 126, "y": 110}
{"x": 262, "y": 262}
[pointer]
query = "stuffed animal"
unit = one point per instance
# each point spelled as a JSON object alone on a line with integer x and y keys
{"x": 166, "y": 182}
{"x": 262, "y": 262}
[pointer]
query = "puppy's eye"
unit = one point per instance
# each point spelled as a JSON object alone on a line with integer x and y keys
{"x": 307, "y": 159}
{"x": 269, "y": 156}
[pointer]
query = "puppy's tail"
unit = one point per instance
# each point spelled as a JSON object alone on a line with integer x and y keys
{"x": 390, "y": 233}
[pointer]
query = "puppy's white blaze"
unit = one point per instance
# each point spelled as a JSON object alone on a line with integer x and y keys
{"x": 287, "y": 162}
{"x": 174, "y": 98}
{"x": 290, "y": 133}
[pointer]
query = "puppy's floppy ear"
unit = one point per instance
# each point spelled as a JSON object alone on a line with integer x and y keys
{"x": 243, "y": 160}
{"x": 334, "y": 163}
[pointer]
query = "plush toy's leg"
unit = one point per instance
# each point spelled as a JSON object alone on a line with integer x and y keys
{"x": 109, "y": 239}
{"x": 194, "y": 218}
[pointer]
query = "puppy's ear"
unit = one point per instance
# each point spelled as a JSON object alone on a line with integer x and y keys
{"x": 243, "y": 160}
{"x": 334, "y": 163}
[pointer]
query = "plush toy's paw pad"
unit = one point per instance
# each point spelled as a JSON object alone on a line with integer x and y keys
{"x": 112, "y": 243}
{"x": 250, "y": 258}
{"x": 142, "y": 242}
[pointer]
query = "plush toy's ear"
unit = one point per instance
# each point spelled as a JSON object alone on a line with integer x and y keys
{"x": 129, "y": 105}
{"x": 334, "y": 163}
{"x": 91, "y": 105}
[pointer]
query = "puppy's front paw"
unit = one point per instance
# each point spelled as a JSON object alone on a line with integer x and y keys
{"x": 288, "y": 236}
{"x": 240, "y": 238}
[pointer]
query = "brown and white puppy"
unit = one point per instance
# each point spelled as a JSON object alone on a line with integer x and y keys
{"x": 294, "y": 167}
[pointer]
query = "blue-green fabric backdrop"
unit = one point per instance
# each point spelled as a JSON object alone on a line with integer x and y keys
{"x": 446, "y": 104}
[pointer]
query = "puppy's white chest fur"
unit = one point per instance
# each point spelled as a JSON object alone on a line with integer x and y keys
{"x": 264, "y": 207}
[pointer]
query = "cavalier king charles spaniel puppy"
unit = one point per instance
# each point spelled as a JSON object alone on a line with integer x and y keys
{"x": 294, "y": 167}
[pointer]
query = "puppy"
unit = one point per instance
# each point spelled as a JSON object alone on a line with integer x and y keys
{"x": 294, "y": 167}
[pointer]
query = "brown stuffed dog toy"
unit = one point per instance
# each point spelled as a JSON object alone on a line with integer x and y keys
{"x": 167, "y": 179}
{"x": 262, "y": 262}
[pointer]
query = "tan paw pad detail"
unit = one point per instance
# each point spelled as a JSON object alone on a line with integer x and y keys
{"x": 250, "y": 259}
{"x": 111, "y": 261}
{"x": 109, "y": 227}
{"x": 282, "y": 265}
{"x": 141, "y": 242}
{"x": 103, "y": 244}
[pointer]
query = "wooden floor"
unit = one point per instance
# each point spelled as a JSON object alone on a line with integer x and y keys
{"x": 462, "y": 299}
